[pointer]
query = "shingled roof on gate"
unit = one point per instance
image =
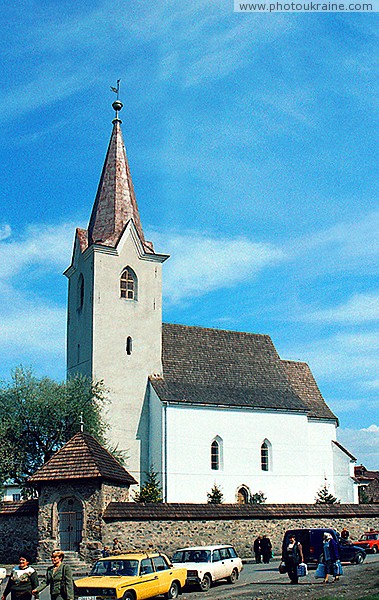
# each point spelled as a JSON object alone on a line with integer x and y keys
{"x": 228, "y": 368}
{"x": 82, "y": 457}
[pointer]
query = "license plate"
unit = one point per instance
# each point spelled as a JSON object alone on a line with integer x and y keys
{"x": 86, "y": 597}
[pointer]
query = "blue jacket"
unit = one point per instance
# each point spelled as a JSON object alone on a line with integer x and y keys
{"x": 334, "y": 550}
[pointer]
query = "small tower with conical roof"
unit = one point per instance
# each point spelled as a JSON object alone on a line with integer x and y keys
{"x": 114, "y": 322}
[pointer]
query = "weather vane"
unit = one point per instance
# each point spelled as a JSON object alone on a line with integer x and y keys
{"x": 116, "y": 90}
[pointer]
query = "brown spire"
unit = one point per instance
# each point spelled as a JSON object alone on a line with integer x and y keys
{"x": 115, "y": 204}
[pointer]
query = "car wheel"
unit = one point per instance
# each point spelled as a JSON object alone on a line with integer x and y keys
{"x": 233, "y": 576}
{"x": 359, "y": 558}
{"x": 173, "y": 592}
{"x": 205, "y": 583}
{"x": 374, "y": 549}
{"x": 128, "y": 596}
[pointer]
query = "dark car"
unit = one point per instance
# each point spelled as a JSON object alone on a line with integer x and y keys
{"x": 312, "y": 543}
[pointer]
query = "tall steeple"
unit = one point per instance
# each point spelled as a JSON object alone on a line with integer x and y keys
{"x": 115, "y": 203}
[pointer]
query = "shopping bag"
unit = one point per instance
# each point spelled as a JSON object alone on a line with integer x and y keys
{"x": 282, "y": 568}
{"x": 302, "y": 570}
{"x": 320, "y": 571}
{"x": 337, "y": 568}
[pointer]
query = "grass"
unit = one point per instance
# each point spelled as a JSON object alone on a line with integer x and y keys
{"x": 372, "y": 597}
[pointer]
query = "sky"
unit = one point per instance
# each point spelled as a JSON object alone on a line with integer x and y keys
{"x": 252, "y": 142}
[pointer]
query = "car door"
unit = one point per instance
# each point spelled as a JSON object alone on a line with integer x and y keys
{"x": 148, "y": 584}
{"x": 217, "y": 566}
{"x": 227, "y": 566}
{"x": 164, "y": 574}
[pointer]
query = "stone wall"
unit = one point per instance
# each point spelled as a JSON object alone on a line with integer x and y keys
{"x": 18, "y": 530}
{"x": 161, "y": 533}
{"x": 166, "y": 527}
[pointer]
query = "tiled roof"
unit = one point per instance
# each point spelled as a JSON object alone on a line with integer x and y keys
{"x": 22, "y": 508}
{"x": 82, "y": 457}
{"x": 305, "y": 386}
{"x": 131, "y": 511}
{"x": 115, "y": 203}
{"x": 228, "y": 368}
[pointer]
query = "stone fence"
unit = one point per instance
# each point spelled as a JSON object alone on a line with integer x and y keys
{"x": 166, "y": 527}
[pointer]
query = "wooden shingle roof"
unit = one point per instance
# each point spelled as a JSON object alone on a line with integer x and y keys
{"x": 229, "y": 368}
{"x": 305, "y": 386}
{"x": 135, "y": 511}
{"x": 82, "y": 457}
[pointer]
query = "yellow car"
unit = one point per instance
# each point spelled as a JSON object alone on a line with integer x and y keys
{"x": 133, "y": 576}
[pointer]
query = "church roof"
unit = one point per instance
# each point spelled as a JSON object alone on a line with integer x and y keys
{"x": 305, "y": 386}
{"x": 228, "y": 368}
{"x": 82, "y": 457}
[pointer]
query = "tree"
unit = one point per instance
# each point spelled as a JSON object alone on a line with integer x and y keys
{"x": 258, "y": 498}
{"x": 323, "y": 496}
{"x": 150, "y": 491}
{"x": 38, "y": 416}
{"x": 215, "y": 496}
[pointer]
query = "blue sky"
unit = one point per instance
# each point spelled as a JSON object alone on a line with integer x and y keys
{"x": 253, "y": 149}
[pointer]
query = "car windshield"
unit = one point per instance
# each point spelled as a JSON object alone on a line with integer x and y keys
{"x": 115, "y": 568}
{"x": 192, "y": 556}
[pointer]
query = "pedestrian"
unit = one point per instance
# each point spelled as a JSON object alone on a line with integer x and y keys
{"x": 117, "y": 546}
{"x": 330, "y": 554}
{"x": 105, "y": 552}
{"x": 345, "y": 534}
{"x": 22, "y": 580}
{"x": 292, "y": 557}
{"x": 58, "y": 578}
{"x": 258, "y": 549}
{"x": 266, "y": 548}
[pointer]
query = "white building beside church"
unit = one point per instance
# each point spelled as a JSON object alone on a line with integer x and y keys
{"x": 203, "y": 406}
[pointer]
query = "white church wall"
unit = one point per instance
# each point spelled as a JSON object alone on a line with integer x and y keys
{"x": 295, "y": 472}
{"x": 344, "y": 487}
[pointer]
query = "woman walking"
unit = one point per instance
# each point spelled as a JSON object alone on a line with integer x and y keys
{"x": 330, "y": 555}
{"x": 292, "y": 557}
{"x": 22, "y": 580}
{"x": 58, "y": 578}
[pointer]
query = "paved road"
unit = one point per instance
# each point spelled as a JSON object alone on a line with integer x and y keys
{"x": 256, "y": 579}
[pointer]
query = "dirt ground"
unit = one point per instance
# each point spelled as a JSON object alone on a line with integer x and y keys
{"x": 361, "y": 583}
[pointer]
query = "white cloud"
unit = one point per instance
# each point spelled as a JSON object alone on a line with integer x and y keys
{"x": 5, "y": 232}
{"x": 363, "y": 443}
{"x": 43, "y": 246}
{"x": 347, "y": 247}
{"x": 360, "y": 308}
{"x": 201, "y": 263}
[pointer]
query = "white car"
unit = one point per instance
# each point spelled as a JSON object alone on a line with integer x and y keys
{"x": 206, "y": 564}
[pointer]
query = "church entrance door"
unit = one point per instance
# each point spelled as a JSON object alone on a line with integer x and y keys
{"x": 70, "y": 513}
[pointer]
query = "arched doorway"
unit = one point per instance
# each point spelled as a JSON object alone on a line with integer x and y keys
{"x": 70, "y": 524}
{"x": 243, "y": 495}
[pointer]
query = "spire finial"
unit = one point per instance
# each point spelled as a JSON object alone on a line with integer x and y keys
{"x": 81, "y": 423}
{"x": 117, "y": 104}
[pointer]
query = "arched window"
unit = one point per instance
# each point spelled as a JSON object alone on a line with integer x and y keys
{"x": 128, "y": 284}
{"x": 80, "y": 291}
{"x": 129, "y": 345}
{"x": 266, "y": 456}
{"x": 243, "y": 495}
{"x": 216, "y": 454}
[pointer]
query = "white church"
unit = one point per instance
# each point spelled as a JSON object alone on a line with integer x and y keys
{"x": 202, "y": 406}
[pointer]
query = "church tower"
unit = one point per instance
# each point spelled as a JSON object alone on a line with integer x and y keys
{"x": 114, "y": 321}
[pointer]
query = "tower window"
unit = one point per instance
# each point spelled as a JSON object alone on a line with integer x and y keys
{"x": 128, "y": 284}
{"x": 80, "y": 291}
{"x": 129, "y": 345}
